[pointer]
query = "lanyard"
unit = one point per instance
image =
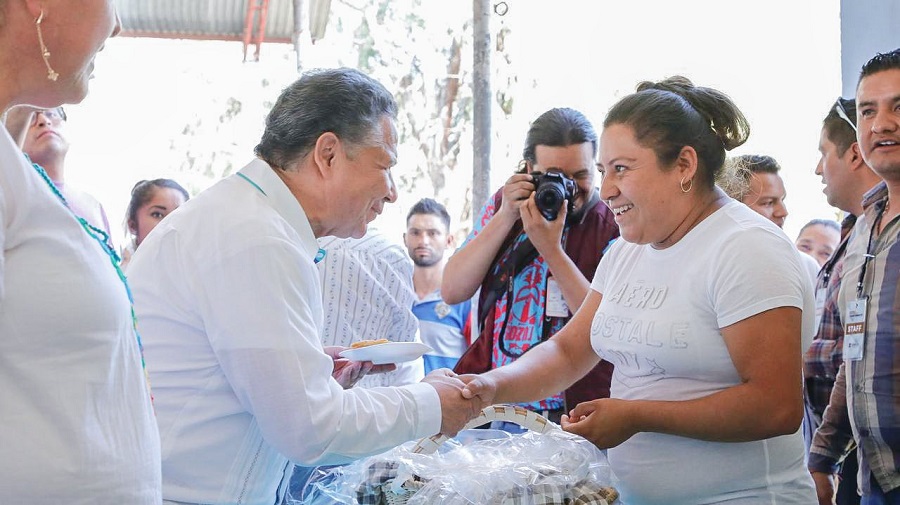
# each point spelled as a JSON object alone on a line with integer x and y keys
{"x": 869, "y": 253}
{"x": 832, "y": 261}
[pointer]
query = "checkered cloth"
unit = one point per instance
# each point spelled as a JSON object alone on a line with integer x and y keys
{"x": 370, "y": 492}
{"x": 376, "y": 490}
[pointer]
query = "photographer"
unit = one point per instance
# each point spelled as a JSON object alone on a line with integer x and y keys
{"x": 534, "y": 252}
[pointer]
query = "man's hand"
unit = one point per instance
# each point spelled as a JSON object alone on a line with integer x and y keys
{"x": 824, "y": 487}
{"x": 545, "y": 235}
{"x": 605, "y": 422}
{"x": 516, "y": 192}
{"x": 347, "y": 372}
{"x": 456, "y": 411}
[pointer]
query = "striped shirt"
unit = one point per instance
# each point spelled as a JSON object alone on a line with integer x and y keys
{"x": 866, "y": 396}
{"x": 445, "y": 328}
{"x": 367, "y": 293}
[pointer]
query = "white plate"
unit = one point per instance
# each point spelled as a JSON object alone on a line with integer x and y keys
{"x": 390, "y": 352}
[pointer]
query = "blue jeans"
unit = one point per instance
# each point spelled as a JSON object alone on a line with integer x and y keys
{"x": 301, "y": 477}
{"x": 878, "y": 497}
{"x": 508, "y": 427}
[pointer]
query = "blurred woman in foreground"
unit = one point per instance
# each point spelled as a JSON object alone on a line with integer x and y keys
{"x": 78, "y": 426}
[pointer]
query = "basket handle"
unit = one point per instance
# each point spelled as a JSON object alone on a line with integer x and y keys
{"x": 509, "y": 413}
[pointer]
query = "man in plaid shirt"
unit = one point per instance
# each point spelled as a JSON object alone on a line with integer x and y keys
{"x": 847, "y": 178}
{"x": 866, "y": 396}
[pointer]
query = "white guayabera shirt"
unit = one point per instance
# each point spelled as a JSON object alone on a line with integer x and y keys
{"x": 230, "y": 308}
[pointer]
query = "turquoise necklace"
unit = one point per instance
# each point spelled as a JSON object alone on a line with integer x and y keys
{"x": 102, "y": 238}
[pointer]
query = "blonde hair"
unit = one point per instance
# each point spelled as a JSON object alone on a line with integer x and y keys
{"x": 734, "y": 178}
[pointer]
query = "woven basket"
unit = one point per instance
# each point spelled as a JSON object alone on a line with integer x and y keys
{"x": 507, "y": 413}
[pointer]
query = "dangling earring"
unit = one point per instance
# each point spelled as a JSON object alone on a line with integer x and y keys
{"x": 45, "y": 53}
{"x": 690, "y": 186}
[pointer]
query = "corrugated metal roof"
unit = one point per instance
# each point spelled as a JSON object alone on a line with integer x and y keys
{"x": 202, "y": 19}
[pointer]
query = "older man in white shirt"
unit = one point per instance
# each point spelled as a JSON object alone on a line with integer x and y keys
{"x": 229, "y": 305}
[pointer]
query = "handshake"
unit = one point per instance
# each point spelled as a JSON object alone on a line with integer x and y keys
{"x": 463, "y": 397}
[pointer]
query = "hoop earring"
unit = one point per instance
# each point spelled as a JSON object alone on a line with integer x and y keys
{"x": 690, "y": 186}
{"x": 45, "y": 53}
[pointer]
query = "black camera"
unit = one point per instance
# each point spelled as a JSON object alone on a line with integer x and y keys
{"x": 550, "y": 190}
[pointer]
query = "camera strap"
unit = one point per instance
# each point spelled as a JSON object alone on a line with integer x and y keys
{"x": 505, "y": 269}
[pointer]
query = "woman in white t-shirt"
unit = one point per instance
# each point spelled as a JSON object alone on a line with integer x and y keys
{"x": 78, "y": 425}
{"x": 704, "y": 309}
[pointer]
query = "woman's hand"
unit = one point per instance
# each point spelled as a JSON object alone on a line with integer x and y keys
{"x": 479, "y": 387}
{"x": 605, "y": 422}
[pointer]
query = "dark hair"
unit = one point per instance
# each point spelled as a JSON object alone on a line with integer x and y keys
{"x": 342, "y": 101}
{"x": 561, "y": 127}
{"x": 143, "y": 191}
{"x": 430, "y": 206}
{"x": 667, "y": 116}
{"x": 828, "y": 223}
{"x": 758, "y": 163}
{"x": 879, "y": 63}
{"x": 837, "y": 130}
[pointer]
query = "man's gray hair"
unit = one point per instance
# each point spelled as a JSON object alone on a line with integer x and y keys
{"x": 342, "y": 101}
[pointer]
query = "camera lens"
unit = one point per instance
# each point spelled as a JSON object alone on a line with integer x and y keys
{"x": 548, "y": 198}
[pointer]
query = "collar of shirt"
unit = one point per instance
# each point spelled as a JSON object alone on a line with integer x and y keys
{"x": 431, "y": 297}
{"x": 261, "y": 178}
{"x": 875, "y": 194}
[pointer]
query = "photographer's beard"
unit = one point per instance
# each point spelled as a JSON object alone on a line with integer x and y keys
{"x": 587, "y": 203}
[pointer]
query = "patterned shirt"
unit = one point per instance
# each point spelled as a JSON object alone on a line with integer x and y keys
{"x": 368, "y": 293}
{"x": 866, "y": 396}
{"x": 445, "y": 328}
{"x": 517, "y": 330}
{"x": 824, "y": 356}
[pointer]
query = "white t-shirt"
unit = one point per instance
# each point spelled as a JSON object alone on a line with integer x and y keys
{"x": 810, "y": 265}
{"x": 86, "y": 206}
{"x": 77, "y": 424}
{"x": 658, "y": 323}
{"x": 368, "y": 294}
{"x": 230, "y": 308}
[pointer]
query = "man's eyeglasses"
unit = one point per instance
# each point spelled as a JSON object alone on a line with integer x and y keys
{"x": 842, "y": 113}
{"x": 52, "y": 115}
